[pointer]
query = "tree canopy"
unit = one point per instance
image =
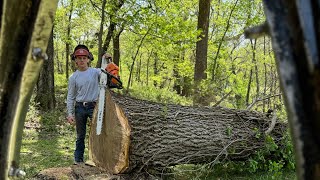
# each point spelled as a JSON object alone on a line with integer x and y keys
{"x": 157, "y": 48}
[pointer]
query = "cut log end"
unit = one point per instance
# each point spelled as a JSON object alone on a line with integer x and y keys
{"x": 110, "y": 149}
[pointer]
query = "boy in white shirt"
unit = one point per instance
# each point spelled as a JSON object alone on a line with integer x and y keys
{"x": 83, "y": 91}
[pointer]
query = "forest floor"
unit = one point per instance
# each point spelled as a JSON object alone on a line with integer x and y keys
{"x": 48, "y": 144}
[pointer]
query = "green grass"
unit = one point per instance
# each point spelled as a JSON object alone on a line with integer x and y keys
{"x": 47, "y": 142}
{"x": 44, "y": 151}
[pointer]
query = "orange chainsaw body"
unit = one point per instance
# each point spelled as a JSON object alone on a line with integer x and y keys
{"x": 113, "y": 69}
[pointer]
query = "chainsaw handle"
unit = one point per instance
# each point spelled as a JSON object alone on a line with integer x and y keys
{"x": 111, "y": 75}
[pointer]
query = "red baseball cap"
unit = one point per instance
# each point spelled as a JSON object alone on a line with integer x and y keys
{"x": 81, "y": 52}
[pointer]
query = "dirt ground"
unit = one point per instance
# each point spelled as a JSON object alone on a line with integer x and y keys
{"x": 87, "y": 172}
{"x": 82, "y": 171}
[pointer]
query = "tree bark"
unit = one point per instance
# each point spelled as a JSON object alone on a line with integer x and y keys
{"x": 68, "y": 40}
{"x": 141, "y": 135}
{"x": 256, "y": 70}
{"x": 148, "y": 64}
{"x": 23, "y": 40}
{"x": 294, "y": 31}
{"x": 100, "y": 50}
{"x": 177, "y": 85}
{"x": 201, "y": 51}
{"x": 156, "y": 68}
{"x": 116, "y": 46}
{"x": 249, "y": 88}
{"x": 265, "y": 74}
{"x": 45, "y": 85}
{"x": 59, "y": 63}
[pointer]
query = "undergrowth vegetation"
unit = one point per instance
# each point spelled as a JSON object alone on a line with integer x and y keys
{"x": 273, "y": 162}
{"x": 155, "y": 94}
{"x": 47, "y": 141}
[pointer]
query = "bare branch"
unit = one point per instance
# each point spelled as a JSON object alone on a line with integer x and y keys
{"x": 257, "y": 31}
{"x": 262, "y": 99}
{"x": 223, "y": 98}
{"x": 273, "y": 123}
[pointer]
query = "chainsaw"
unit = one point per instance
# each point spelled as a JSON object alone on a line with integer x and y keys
{"x": 108, "y": 79}
{"x": 113, "y": 81}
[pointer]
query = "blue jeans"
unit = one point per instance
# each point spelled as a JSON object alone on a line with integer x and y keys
{"x": 82, "y": 113}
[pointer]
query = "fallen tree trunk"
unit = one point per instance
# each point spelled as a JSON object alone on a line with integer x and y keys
{"x": 139, "y": 134}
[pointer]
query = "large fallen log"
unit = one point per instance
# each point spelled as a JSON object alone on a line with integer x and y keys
{"x": 140, "y": 134}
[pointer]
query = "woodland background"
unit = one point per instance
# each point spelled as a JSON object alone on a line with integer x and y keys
{"x": 190, "y": 52}
{"x": 156, "y": 44}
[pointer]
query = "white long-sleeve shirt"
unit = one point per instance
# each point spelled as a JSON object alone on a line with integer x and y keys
{"x": 83, "y": 86}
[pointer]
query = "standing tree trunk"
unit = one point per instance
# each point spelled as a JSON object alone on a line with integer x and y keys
{"x": 116, "y": 46}
{"x": 201, "y": 50}
{"x": 272, "y": 70}
{"x": 111, "y": 28}
{"x": 23, "y": 39}
{"x": 249, "y": 88}
{"x": 148, "y": 64}
{"x": 45, "y": 85}
{"x": 68, "y": 40}
{"x": 253, "y": 46}
{"x": 106, "y": 42}
{"x": 100, "y": 50}
{"x": 256, "y": 70}
{"x": 139, "y": 66}
{"x": 265, "y": 75}
{"x": 178, "y": 79}
{"x": 294, "y": 29}
{"x": 177, "y": 85}
{"x": 155, "y": 68}
{"x": 59, "y": 65}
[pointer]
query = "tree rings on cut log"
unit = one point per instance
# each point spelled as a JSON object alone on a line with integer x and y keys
{"x": 110, "y": 149}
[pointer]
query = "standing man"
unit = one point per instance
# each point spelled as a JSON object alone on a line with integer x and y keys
{"x": 83, "y": 90}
